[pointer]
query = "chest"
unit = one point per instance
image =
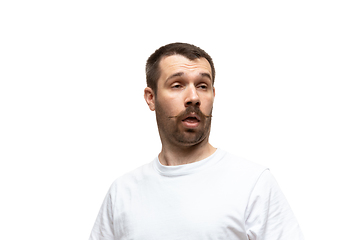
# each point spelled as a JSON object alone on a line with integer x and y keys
{"x": 187, "y": 209}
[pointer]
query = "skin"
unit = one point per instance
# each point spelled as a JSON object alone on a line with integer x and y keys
{"x": 183, "y": 106}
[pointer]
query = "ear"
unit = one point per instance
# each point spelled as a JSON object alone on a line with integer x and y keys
{"x": 149, "y": 96}
{"x": 214, "y": 91}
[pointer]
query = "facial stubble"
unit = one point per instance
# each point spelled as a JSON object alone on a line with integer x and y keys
{"x": 170, "y": 127}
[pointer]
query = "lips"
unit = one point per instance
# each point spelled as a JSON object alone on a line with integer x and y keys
{"x": 191, "y": 121}
{"x": 191, "y": 118}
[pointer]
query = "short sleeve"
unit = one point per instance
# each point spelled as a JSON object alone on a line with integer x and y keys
{"x": 268, "y": 214}
{"x": 104, "y": 226}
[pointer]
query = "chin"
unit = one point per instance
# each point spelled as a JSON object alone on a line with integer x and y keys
{"x": 188, "y": 141}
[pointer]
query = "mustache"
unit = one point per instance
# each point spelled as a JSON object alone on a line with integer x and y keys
{"x": 190, "y": 110}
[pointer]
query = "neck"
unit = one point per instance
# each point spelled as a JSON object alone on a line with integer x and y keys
{"x": 172, "y": 156}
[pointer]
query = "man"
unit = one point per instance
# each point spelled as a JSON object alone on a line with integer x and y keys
{"x": 191, "y": 190}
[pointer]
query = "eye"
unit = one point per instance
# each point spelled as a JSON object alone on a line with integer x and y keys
{"x": 202, "y": 86}
{"x": 176, "y": 85}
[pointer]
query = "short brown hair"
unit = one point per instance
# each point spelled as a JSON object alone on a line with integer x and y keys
{"x": 187, "y": 50}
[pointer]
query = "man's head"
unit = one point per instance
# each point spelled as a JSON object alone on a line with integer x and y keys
{"x": 184, "y": 95}
{"x": 189, "y": 51}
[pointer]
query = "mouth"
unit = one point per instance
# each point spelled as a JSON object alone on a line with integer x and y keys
{"x": 191, "y": 121}
{"x": 191, "y": 118}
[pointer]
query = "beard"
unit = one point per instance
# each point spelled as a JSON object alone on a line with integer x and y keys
{"x": 172, "y": 130}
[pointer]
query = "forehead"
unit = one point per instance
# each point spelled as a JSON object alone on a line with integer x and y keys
{"x": 178, "y": 63}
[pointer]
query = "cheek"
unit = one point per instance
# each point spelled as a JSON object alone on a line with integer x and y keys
{"x": 172, "y": 106}
{"x": 174, "y": 100}
{"x": 207, "y": 105}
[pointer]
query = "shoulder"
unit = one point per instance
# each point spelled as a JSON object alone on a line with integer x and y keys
{"x": 131, "y": 179}
{"x": 237, "y": 172}
{"x": 240, "y": 165}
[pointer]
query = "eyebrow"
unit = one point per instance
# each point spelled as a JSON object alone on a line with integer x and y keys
{"x": 206, "y": 75}
{"x": 180, "y": 74}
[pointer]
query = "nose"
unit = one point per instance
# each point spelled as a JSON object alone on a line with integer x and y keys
{"x": 192, "y": 97}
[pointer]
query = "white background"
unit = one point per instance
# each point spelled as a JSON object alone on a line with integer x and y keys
{"x": 73, "y": 117}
